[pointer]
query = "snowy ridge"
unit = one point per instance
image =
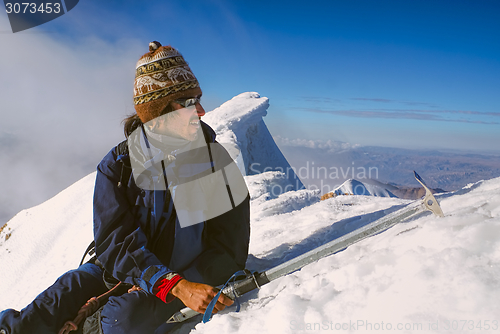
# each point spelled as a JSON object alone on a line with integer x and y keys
{"x": 426, "y": 272}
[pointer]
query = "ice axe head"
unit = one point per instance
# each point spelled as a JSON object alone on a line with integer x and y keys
{"x": 429, "y": 200}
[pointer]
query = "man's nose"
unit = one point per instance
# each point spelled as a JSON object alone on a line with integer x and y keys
{"x": 199, "y": 109}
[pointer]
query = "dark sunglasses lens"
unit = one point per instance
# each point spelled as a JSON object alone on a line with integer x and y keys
{"x": 188, "y": 102}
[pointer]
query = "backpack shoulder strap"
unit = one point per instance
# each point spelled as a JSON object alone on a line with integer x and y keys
{"x": 90, "y": 251}
{"x": 126, "y": 170}
{"x": 122, "y": 148}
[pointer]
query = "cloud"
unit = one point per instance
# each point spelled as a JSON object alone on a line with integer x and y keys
{"x": 329, "y": 145}
{"x": 62, "y": 104}
{"x": 441, "y": 111}
{"x": 320, "y": 99}
{"x": 382, "y": 100}
{"x": 372, "y": 99}
{"x": 427, "y": 115}
{"x": 432, "y": 113}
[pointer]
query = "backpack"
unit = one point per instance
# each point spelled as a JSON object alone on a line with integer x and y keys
{"x": 121, "y": 150}
{"x": 92, "y": 323}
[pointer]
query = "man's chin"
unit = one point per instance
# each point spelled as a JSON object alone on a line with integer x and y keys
{"x": 192, "y": 136}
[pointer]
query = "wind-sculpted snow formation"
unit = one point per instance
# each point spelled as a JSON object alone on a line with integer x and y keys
{"x": 241, "y": 129}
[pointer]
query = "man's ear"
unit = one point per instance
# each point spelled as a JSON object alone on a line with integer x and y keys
{"x": 164, "y": 120}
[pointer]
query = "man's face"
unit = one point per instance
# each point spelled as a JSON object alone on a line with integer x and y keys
{"x": 182, "y": 122}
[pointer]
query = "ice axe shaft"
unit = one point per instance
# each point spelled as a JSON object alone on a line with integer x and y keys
{"x": 256, "y": 280}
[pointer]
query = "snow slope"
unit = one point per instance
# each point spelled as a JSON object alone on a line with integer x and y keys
{"x": 427, "y": 275}
{"x": 44, "y": 242}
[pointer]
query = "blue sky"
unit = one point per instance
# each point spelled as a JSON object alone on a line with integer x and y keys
{"x": 368, "y": 72}
{"x": 408, "y": 74}
{"x": 412, "y": 74}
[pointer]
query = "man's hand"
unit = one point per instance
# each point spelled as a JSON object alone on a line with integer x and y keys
{"x": 197, "y": 296}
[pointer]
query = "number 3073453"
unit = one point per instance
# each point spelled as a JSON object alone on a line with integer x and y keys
{"x": 27, "y": 7}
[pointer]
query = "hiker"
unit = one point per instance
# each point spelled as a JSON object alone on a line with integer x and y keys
{"x": 171, "y": 215}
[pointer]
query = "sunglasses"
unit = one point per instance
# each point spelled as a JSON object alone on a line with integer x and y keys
{"x": 188, "y": 102}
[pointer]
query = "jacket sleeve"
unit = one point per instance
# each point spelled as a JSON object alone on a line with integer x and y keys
{"x": 120, "y": 241}
{"x": 228, "y": 238}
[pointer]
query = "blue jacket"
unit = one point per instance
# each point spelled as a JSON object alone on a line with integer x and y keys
{"x": 136, "y": 250}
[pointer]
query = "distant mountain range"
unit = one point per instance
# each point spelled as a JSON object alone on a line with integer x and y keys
{"x": 327, "y": 168}
{"x": 374, "y": 188}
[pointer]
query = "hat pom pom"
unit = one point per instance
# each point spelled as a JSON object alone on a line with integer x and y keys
{"x": 154, "y": 45}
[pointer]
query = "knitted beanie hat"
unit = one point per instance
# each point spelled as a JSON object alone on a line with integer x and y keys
{"x": 161, "y": 76}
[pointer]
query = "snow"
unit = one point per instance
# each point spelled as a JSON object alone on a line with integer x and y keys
{"x": 44, "y": 242}
{"x": 430, "y": 274}
{"x": 415, "y": 274}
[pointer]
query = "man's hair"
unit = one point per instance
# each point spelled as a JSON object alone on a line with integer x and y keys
{"x": 132, "y": 122}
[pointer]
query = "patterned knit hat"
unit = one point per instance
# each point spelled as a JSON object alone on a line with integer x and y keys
{"x": 161, "y": 76}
